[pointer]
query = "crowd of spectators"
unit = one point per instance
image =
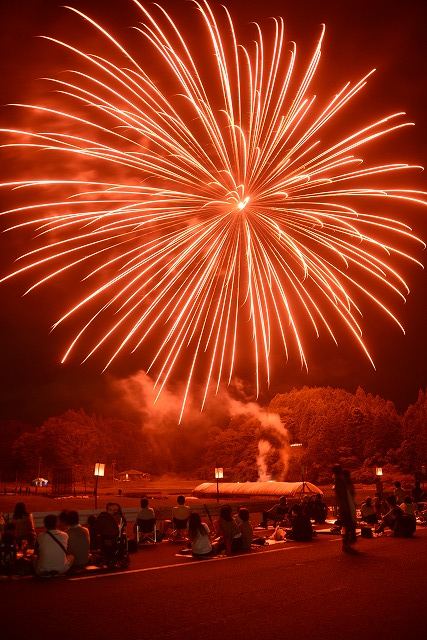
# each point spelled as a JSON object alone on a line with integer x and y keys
{"x": 66, "y": 546}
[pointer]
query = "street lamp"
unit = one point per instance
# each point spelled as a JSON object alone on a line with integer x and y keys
{"x": 219, "y": 473}
{"x": 299, "y": 444}
{"x": 379, "y": 482}
{"x": 99, "y": 471}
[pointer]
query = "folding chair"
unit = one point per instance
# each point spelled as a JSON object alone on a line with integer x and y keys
{"x": 179, "y": 528}
{"x": 145, "y": 531}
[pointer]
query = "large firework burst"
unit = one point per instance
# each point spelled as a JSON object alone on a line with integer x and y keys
{"x": 212, "y": 200}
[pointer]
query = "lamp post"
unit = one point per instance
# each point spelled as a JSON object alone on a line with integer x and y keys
{"x": 219, "y": 473}
{"x": 99, "y": 471}
{"x": 379, "y": 482}
{"x": 299, "y": 444}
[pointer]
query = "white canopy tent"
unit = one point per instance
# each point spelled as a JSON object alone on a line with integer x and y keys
{"x": 258, "y": 489}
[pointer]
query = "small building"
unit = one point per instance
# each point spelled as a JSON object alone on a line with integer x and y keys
{"x": 133, "y": 475}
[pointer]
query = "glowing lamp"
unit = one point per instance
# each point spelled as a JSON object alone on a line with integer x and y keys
{"x": 99, "y": 469}
{"x": 219, "y": 473}
{"x": 379, "y": 473}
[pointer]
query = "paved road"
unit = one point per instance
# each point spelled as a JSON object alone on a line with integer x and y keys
{"x": 288, "y": 590}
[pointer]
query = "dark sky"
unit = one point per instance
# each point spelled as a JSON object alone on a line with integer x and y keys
{"x": 389, "y": 36}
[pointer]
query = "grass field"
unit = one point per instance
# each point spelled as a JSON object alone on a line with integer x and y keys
{"x": 162, "y": 491}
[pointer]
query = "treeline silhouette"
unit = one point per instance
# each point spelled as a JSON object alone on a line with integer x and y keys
{"x": 359, "y": 430}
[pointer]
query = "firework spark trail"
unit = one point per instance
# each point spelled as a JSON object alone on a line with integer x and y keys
{"x": 231, "y": 211}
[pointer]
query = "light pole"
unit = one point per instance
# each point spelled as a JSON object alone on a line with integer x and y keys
{"x": 299, "y": 444}
{"x": 219, "y": 473}
{"x": 99, "y": 471}
{"x": 379, "y": 482}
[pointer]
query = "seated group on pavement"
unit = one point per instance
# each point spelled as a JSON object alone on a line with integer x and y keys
{"x": 65, "y": 546}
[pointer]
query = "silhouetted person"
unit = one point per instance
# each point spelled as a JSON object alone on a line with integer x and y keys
{"x": 231, "y": 539}
{"x": 344, "y": 492}
{"x": 25, "y": 529}
{"x": 399, "y": 492}
{"x": 302, "y": 530}
{"x": 245, "y": 528}
{"x": 417, "y": 492}
{"x": 390, "y": 517}
{"x": 368, "y": 512}
{"x": 276, "y": 513}
{"x": 50, "y": 556}
{"x": 78, "y": 540}
{"x": 199, "y": 535}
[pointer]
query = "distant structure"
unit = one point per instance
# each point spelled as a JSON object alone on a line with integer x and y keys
{"x": 133, "y": 474}
{"x": 257, "y": 489}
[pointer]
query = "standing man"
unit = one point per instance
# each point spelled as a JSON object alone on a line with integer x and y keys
{"x": 344, "y": 492}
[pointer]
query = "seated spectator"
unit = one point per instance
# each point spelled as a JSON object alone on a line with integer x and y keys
{"x": 145, "y": 524}
{"x": 50, "y": 555}
{"x": 404, "y": 525}
{"x": 180, "y": 515}
{"x": 368, "y": 512}
{"x": 379, "y": 506}
{"x": 63, "y": 520}
{"x": 107, "y": 527}
{"x": 146, "y": 512}
{"x": 181, "y": 511}
{"x": 390, "y": 517}
{"x": 230, "y": 537}
{"x": 417, "y": 492}
{"x": 78, "y": 540}
{"x": 237, "y": 516}
{"x": 320, "y": 510}
{"x": 198, "y": 532}
{"x": 25, "y": 529}
{"x": 245, "y": 528}
{"x": 301, "y": 530}
{"x": 408, "y": 507}
{"x": 93, "y": 533}
{"x": 314, "y": 508}
{"x": 276, "y": 513}
{"x": 398, "y": 492}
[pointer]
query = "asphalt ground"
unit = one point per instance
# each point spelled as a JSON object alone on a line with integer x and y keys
{"x": 286, "y": 590}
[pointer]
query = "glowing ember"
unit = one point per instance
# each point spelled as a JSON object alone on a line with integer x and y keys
{"x": 161, "y": 222}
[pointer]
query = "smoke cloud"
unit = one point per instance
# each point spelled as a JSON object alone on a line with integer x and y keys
{"x": 137, "y": 396}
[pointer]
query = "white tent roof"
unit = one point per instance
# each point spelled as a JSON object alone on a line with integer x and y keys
{"x": 132, "y": 472}
{"x": 257, "y": 489}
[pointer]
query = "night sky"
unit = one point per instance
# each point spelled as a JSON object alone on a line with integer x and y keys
{"x": 359, "y": 37}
